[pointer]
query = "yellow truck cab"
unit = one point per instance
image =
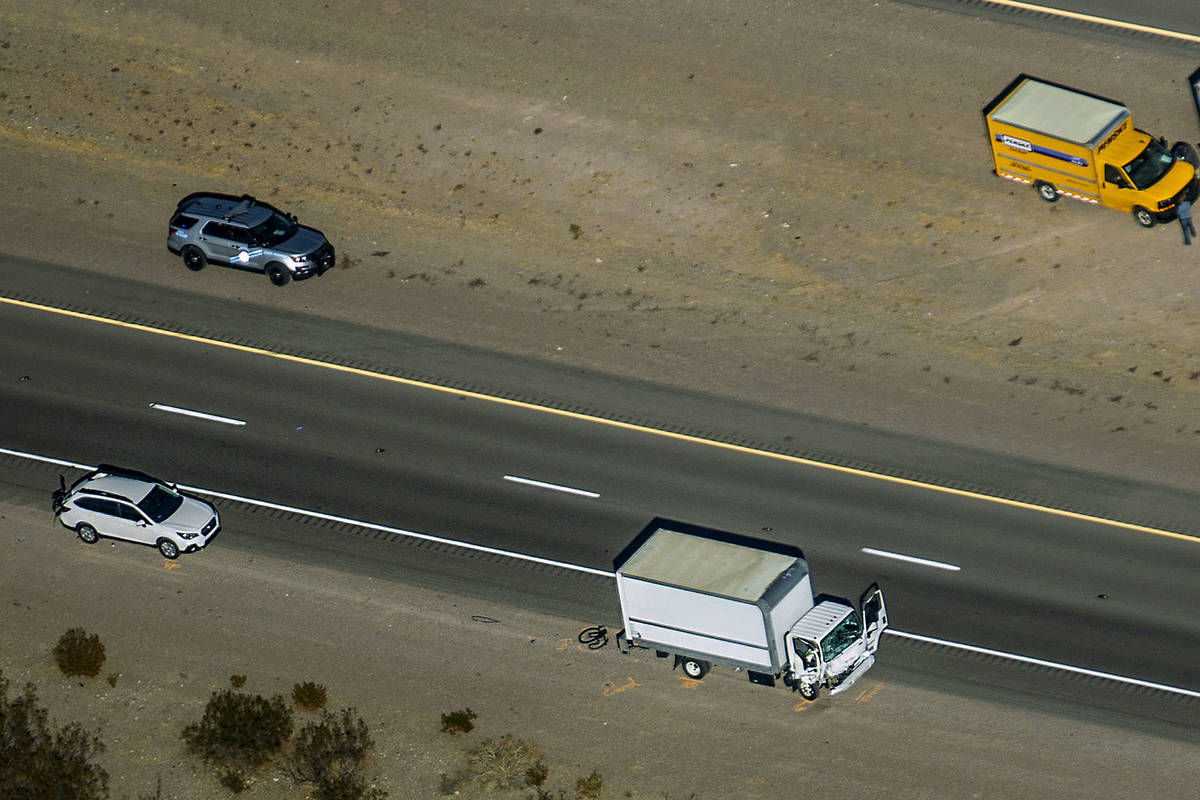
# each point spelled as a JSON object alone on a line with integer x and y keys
{"x": 1064, "y": 141}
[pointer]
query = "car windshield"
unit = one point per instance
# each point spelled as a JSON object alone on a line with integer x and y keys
{"x": 837, "y": 640}
{"x": 1149, "y": 165}
{"x": 274, "y": 229}
{"x": 161, "y": 503}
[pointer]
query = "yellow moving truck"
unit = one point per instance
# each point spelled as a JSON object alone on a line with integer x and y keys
{"x": 1064, "y": 141}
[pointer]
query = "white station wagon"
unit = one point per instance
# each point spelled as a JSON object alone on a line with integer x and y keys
{"x": 125, "y": 504}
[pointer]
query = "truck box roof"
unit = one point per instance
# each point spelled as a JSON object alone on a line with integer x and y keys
{"x": 1057, "y": 111}
{"x": 711, "y": 566}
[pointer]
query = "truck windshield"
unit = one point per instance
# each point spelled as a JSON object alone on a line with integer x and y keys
{"x": 1149, "y": 165}
{"x": 837, "y": 640}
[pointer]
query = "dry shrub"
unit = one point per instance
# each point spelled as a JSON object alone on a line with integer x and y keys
{"x": 309, "y": 696}
{"x": 458, "y": 721}
{"x": 79, "y": 654}
{"x": 502, "y": 763}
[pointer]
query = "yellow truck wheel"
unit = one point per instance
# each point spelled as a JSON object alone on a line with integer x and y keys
{"x": 1047, "y": 191}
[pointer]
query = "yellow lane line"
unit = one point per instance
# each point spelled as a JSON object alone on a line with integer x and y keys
{"x": 628, "y": 426}
{"x": 1115, "y": 23}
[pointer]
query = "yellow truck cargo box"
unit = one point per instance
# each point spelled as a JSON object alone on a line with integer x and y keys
{"x": 1064, "y": 141}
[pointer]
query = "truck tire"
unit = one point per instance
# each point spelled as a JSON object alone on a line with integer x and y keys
{"x": 694, "y": 668}
{"x": 1143, "y": 217}
{"x": 1046, "y": 191}
{"x": 808, "y": 691}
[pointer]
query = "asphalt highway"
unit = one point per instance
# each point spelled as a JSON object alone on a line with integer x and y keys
{"x": 362, "y": 445}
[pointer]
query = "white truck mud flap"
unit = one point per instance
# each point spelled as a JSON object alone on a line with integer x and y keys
{"x": 854, "y": 675}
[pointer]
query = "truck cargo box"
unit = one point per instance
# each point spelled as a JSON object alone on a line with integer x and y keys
{"x": 698, "y": 591}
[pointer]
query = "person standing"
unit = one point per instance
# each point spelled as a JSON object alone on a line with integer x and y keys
{"x": 1185, "y": 220}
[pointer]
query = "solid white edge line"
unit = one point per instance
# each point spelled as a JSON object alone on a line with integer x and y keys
{"x": 556, "y": 487}
{"x": 925, "y": 562}
{"x": 187, "y": 412}
{"x": 606, "y": 574}
{"x": 1091, "y": 673}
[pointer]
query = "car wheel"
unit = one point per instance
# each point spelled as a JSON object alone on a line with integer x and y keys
{"x": 278, "y": 274}
{"x": 1143, "y": 217}
{"x": 168, "y": 548}
{"x": 193, "y": 258}
{"x": 809, "y": 691}
{"x": 87, "y": 533}
{"x": 1046, "y": 191}
{"x": 695, "y": 669}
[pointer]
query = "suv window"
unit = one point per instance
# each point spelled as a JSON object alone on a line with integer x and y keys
{"x": 274, "y": 229}
{"x": 130, "y": 513}
{"x": 221, "y": 230}
{"x": 183, "y": 221}
{"x": 100, "y": 505}
{"x": 160, "y": 503}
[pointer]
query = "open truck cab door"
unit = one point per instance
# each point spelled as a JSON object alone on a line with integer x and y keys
{"x": 807, "y": 666}
{"x": 874, "y": 616}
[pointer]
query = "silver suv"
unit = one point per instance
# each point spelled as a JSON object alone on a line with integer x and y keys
{"x": 126, "y": 504}
{"x": 245, "y": 233}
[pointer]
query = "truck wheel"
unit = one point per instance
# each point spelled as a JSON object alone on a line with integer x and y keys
{"x": 193, "y": 258}
{"x": 278, "y": 274}
{"x": 1046, "y": 191}
{"x": 809, "y": 691}
{"x": 694, "y": 668}
{"x": 1143, "y": 217}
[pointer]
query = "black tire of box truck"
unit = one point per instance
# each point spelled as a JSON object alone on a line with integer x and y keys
{"x": 1046, "y": 191}
{"x": 1143, "y": 217}
{"x": 694, "y": 668}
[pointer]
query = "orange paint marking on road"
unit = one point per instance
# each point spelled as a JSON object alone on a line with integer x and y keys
{"x": 563, "y": 644}
{"x": 803, "y": 705}
{"x": 688, "y": 683}
{"x": 610, "y": 688}
{"x": 170, "y": 565}
{"x": 867, "y": 694}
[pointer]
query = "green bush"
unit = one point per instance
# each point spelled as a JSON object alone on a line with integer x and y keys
{"x": 38, "y": 762}
{"x": 335, "y": 746}
{"x": 589, "y": 788}
{"x": 309, "y": 696}
{"x": 237, "y": 681}
{"x": 458, "y": 721}
{"x": 240, "y": 731}
{"x": 330, "y": 754}
{"x": 79, "y": 654}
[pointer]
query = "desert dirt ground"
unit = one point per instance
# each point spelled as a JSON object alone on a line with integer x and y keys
{"x": 772, "y": 202}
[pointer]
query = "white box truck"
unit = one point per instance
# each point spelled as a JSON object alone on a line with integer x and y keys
{"x": 712, "y": 597}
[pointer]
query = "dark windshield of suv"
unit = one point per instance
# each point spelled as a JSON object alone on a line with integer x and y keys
{"x": 160, "y": 504}
{"x": 1149, "y": 165}
{"x": 274, "y": 229}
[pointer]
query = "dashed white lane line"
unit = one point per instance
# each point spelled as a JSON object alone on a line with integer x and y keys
{"x": 554, "y": 486}
{"x": 609, "y": 574}
{"x": 187, "y": 412}
{"x": 924, "y": 562}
